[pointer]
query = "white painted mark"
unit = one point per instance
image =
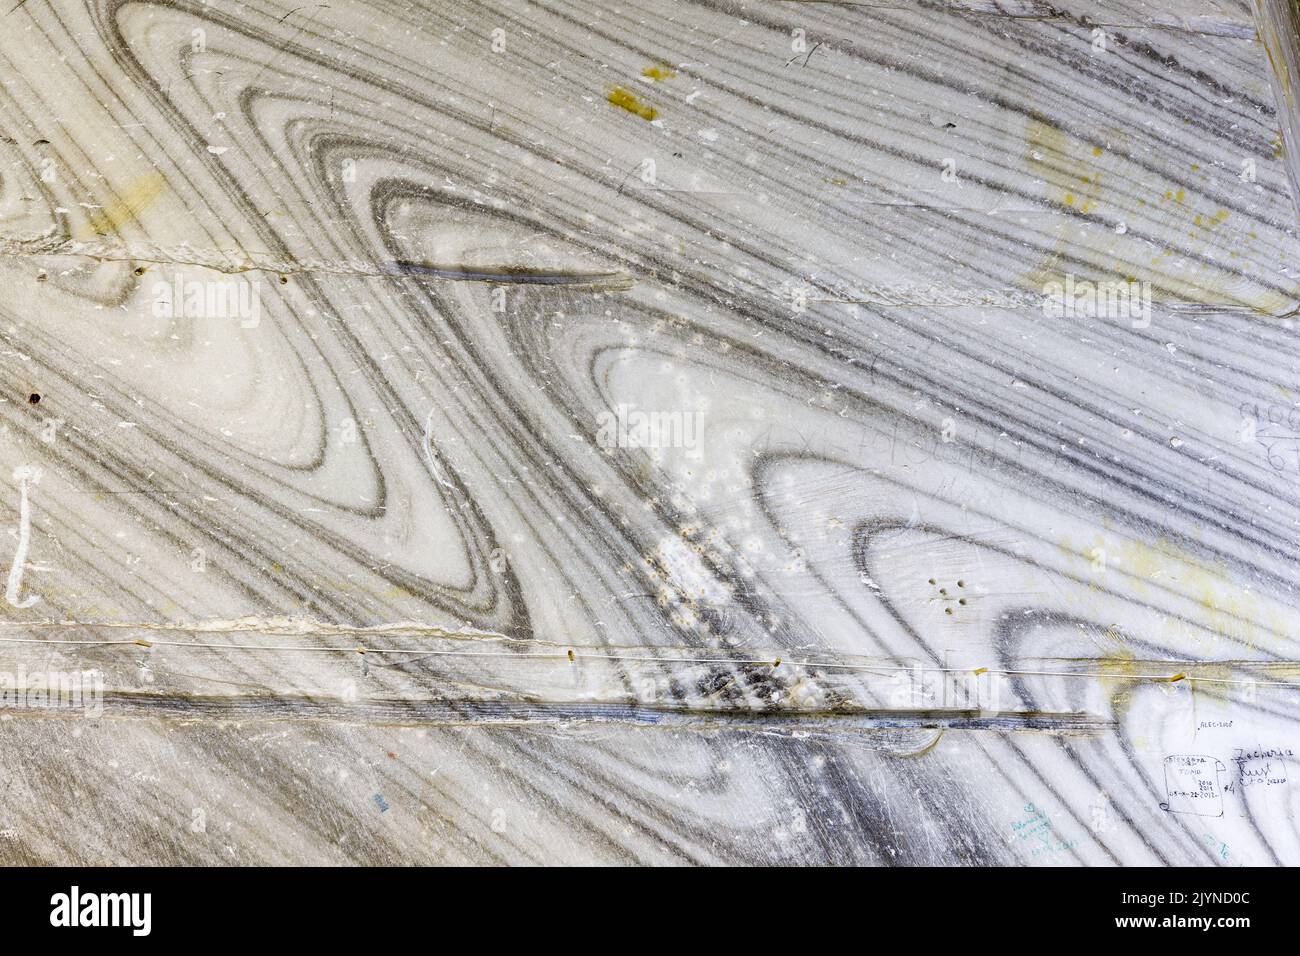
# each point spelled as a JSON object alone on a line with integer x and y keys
{"x": 25, "y": 475}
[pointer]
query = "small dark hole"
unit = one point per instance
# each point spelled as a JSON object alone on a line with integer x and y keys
{"x": 33, "y": 398}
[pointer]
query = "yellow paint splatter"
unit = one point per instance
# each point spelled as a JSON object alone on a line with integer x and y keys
{"x": 135, "y": 199}
{"x": 1096, "y": 151}
{"x": 658, "y": 73}
{"x": 626, "y": 99}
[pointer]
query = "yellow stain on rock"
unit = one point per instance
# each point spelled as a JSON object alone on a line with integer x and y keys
{"x": 626, "y": 100}
{"x": 1215, "y": 220}
{"x": 1117, "y": 669}
{"x": 126, "y": 209}
{"x": 1211, "y": 599}
{"x": 658, "y": 73}
{"x": 1075, "y": 182}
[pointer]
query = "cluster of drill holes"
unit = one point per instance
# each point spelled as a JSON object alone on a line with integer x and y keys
{"x": 943, "y": 593}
